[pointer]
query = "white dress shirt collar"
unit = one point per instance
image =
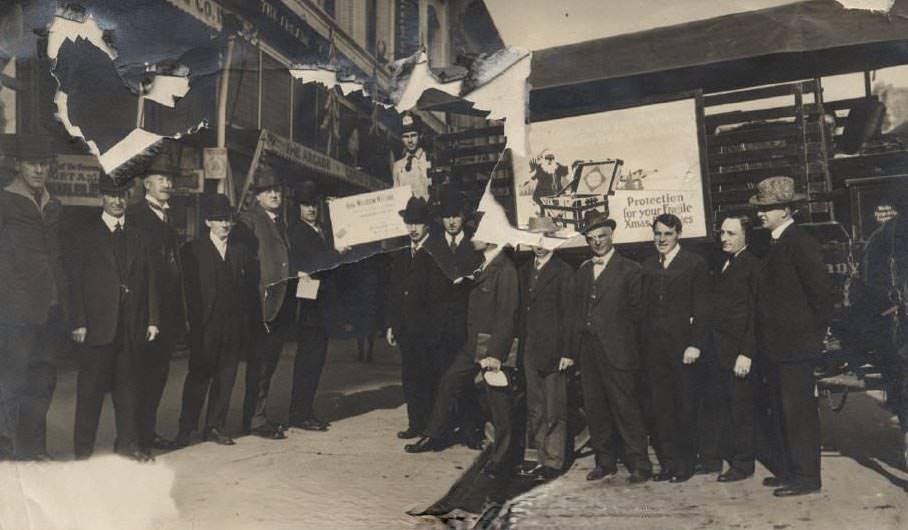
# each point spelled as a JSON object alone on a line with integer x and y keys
{"x": 111, "y": 222}
{"x": 540, "y": 262}
{"x": 777, "y": 231}
{"x": 490, "y": 254}
{"x": 671, "y": 256}
{"x": 158, "y": 207}
{"x": 219, "y": 244}
{"x": 599, "y": 267}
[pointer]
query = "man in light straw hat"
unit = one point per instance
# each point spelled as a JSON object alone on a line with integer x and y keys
{"x": 793, "y": 306}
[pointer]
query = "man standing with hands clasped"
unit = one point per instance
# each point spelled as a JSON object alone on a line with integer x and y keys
{"x": 794, "y": 305}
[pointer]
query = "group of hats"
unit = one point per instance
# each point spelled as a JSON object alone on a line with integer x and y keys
{"x": 418, "y": 211}
{"x": 306, "y": 192}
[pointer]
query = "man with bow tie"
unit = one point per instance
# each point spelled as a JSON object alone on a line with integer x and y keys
{"x": 114, "y": 315}
{"x": 412, "y": 326}
{"x": 412, "y": 168}
{"x": 152, "y": 216}
{"x": 676, "y": 302}
{"x": 731, "y": 353}
{"x": 608, "y": 308}
{"x": 545, "y": 332}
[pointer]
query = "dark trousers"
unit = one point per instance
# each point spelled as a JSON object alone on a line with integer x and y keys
{"x": 28, "y": 377}
{"x": 547, "y": 414}
{"x": 102, "y": 369}
{"x": 212, "y": 371}
{"x": 674, "y": 402}
{"x": 418, "y": 375}
{"x": 457, "y": 381}
{"x": 611, "y": 406}
{"x": 794, "y": 384}
{"x": 154, "y": 365}
{"x": 267, "y": 343}
{"x": 311, "y": 351}
{"x": 712, "y": 410}
{"x": 467, "y": 414}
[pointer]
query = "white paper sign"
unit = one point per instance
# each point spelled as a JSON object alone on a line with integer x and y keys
{"x": 368, "y": 217}
{"x": 307, "y": 288}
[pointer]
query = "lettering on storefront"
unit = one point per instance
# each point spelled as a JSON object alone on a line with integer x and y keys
{"x": 75, "y": 180}
{"x": 207, "y": 11}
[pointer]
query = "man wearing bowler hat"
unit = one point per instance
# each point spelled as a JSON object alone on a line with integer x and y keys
{"x": 114, "y": 314}
{"x": 314, "y": 260}
{"x": 412, "y": 169}
{"x": 32, "y": 295}
{"x": 609, "y": 307}
{"x": 412, "y": 326}
{"x": 263, "y": 231}
{"x": 219, "y": 292}
{"x": 152, "y": 215}
{"x": 793, "y": 306}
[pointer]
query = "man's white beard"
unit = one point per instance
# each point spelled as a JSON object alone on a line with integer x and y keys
{"x": 549, "y": 167}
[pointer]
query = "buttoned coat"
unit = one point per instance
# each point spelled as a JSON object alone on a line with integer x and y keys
{"x": 610, "y": 307}
{"x": 414, "y": 295}
{"x": 794, "y": 298}
{"x": 733, "y": 314}
{"x": 31, "y": 268}
{"x": 164, "y": 244}
{"x": 272, "y": 253}
{"x": 545, "y": 322}
{"x": 315, "y": 255}
{"x": 492, "y": 308}
{"x": 99, "y": 297}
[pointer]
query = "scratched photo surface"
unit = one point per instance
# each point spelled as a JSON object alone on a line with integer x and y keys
{"x": 485, "y": 264}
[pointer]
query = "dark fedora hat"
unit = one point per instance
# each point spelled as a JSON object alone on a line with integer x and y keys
{"x": 266, "y": 178}
{"x": 29, "y": 148}
{"x": 107, "y": 185}
{"x": 416, "y": 212}
{"x": 594, "y": 219}
{"x": 307, "y": 193}
{"x": 451, "y": 204}
{"x": 217, "y": 207}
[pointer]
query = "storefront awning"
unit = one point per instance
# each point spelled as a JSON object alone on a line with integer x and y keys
{"x": 795, "y": 41}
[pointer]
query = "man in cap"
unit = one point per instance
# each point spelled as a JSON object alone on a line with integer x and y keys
{"x": 411, "y": 324}
{"x": 152, "y": 215}
{"x": 793, "y": 307}
{"x": 32, "y": 290}
{"x": 412, "y": 168}
{"x": 220, "y": 289}
{"x": 263, "y": 231}
{"x": 609, "y": 298}
{"x": 314, "y": 260}
{"x": 114, "y": 315}
{"x": 490, "y": 334}
{"x": 544, "y": 328}
{"x": 675, "y": 297}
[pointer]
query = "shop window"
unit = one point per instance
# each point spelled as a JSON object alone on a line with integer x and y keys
{"x": 243, "y": 92}
{"x": 406, "y": 29}
{"x": 275, "y": 96}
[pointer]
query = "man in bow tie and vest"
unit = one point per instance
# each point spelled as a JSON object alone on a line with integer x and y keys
{"x": 412, "y": 325}
{"x": 793, "y": 307}
{"x": 314, "y": 259}
{"x": 32, "y": 301}
{"x": 412, "y": 168}
{"x": 263, "y": 231}
{"x": 545, "y": 331}
{"x": 220, "y": 290}
{"x": 152, "y": 216}
{"x": 114, "y": 315}
{"x": 729, "y": 407}
{"x": 676, "y": 302}
{"x": 609, "y": 306}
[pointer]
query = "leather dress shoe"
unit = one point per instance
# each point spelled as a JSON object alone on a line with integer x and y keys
{"x": 733, "y": 475}
{"x": 311, "y": 424}
{"x": 271, "y": 432}
{"x": 774, "y": 482}
{"x": 408, "y": 434}
{"x": 639, "y": 477}
{"x": 600, "y": 472}
{"x": 140, "y": 456}
{"x": 424, "y": 445}
{"x": 159, "y": 442}
{"x": 796, "y": 489}
{"x": 546, "y": 473}
{"x": 707, "y": 469}
{"x": 216, "y": 436}
{"x": 678, "y": 478}
{"x": 473, "y": 441}
{"x": 663, "y": 475}
{"x": 182, "y": 440}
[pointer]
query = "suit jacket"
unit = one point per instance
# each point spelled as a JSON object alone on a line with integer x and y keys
{"x": 677, "y": 304}
{"x": 163, "y": 242}
{"x": 272, "y": 252}
{"x": 732, "y": 303}
{"x": 414, "y": 291}
{"x": 450, "y": 307}
{"x": 315, "y": 255}
{"x": 545, "y": 324}
{"x": 97, "y": 301}
{"x": 610, "y": 307}
{"x": 32, "y": 276}
{"x": 794, "y": 298}
{"x": 492, "y": 308}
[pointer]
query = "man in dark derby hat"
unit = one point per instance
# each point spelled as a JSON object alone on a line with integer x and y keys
{"x": 114, "y": 314}
{"x": 263, "y": 231}
{"x": 220, "y": 290}
{"x": 33, "y": 292}
{"x": 793, "y": 307}
{"x": 411, "y": 326}
{"x": 312, "y": 256}
{"x": 609, "y": 306}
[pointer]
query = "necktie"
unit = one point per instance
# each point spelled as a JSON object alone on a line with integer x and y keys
{"x": 728, "y": 263}
{"x": 662, "y": 261}
{"x": 453, "y": 245}
{"x": 38, "y": 196}
{"x": 119, "y": 240}
{"x": 773, "y": 241}
{"x": 599, "y": 261}
{"x": 409, "y": 165}
{"x": 538, "y": 264}
{"x": 161, "y": 209}
{"x": 280, "y": 227}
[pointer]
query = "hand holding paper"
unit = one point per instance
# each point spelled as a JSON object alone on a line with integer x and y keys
{"x": 307, "y": 288}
